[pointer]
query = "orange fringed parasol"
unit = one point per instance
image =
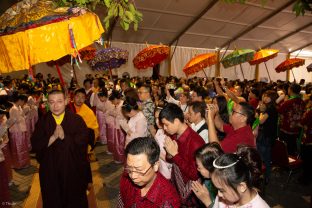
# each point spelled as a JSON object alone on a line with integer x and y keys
{"x": 199, "y": 63}
{"x": 151, "y": 56}
{"x": 263, "y": 56}
{"x": 289, "y": 64}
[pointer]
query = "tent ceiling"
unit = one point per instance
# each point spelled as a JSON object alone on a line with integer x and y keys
{"x": 163, "y": 20}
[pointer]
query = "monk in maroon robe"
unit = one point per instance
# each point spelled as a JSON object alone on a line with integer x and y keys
{"x": 61, "y": 149}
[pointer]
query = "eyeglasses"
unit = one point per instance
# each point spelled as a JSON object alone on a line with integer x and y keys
{"x": 233, "y": 111}
{"x": 129, "y": 171}
{"x": 141, "y": 92}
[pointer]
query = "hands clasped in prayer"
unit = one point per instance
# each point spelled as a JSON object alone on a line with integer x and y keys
{"x": 171, "y": 147}
{"x": 200, "y": 190}
{"x": 58, "y": 134}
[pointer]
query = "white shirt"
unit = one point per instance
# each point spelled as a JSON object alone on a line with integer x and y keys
{"x": 256, "y": 202}
{"x": 138, "y": 126}
{"x": 165, "y": 167}
{"x": 184, "y": 107}
{"x": 203, "y": 133}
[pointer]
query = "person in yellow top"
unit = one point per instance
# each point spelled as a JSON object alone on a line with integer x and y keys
{"x": 80, "y": 108}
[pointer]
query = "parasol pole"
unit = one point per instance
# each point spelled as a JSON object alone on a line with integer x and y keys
{"x": 111, "y": 74}
{"x": 74, "y": 72}
{"x": 293, "y": 75}
{"x": 266, "y": 67}
{"x": 241, "y": 68}
{"x": 59, "y": 74}
{"x": 205, "y": 73}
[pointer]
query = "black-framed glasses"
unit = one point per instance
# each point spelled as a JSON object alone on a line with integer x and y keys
{"x": 129, "y": 171}
{"x": 233, "y": 111}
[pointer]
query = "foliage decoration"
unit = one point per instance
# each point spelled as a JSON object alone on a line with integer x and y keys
{"x": 122, "y": 10}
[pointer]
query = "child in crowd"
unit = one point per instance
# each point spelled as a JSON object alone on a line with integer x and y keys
{"x": 165, "y": 167}
{"x": 137, "y": 124}
{"x": 26, "y": 110}
{"x": 234, "y": 177}
{"x": 101, "y": 104}
{"x": 115, "y": 135}
{"x": 34, "y": 104}
{"x": 204, "y": 189}
{"x": 18, "y": 141}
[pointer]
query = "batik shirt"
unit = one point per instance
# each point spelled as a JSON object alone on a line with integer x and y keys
{"x": 162, "y": 194}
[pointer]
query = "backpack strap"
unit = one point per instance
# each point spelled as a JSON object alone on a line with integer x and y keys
{"x": 203, "y": 127}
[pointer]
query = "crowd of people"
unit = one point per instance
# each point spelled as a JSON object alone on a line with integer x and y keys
{"x": 194, "y": 142}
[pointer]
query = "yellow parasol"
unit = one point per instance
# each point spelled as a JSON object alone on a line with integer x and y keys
{"x": 262, "y": 56}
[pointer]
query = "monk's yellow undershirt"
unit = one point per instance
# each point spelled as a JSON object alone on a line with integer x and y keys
{"x": 58, "y": 119}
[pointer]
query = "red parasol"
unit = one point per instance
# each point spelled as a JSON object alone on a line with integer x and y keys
{"x": 151, "y": 56}
{"x": 289, "y": 64}
{"x": 263, "y": 56}
{"x": 199, "y": 63}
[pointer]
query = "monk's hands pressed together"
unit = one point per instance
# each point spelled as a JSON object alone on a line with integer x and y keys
{"x": 171, "y": 146}
{"x": 59, "y": 132}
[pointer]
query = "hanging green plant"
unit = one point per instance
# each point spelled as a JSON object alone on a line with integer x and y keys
{"x": 125, "y": 11}
{"x": 122, "y": 10}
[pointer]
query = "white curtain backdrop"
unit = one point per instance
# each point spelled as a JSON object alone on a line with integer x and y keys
{"x": 180, "y": 58}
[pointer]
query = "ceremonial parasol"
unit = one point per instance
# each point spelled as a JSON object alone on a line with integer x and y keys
{"x": 262, "y": 56}
{"x": 309, "y": 68}
{"x": 238, "y": 56}
{"x": 33, "y": 32}
{"x": 151, "y": 56}
{"x": 200, "y": 62}
{"x": 109, "y": 58}
{"x": 289, "y": 64}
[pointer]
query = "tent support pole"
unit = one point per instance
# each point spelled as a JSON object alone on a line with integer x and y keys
{"x": 257, "y": 75}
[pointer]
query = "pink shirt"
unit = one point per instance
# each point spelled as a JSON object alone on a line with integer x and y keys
{"x": 138, "y": 126}
{"x": 17, "y": 114}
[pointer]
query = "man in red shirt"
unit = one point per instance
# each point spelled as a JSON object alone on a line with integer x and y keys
{"x": 237, "y": 132}
{"x": 291, "y": 112}
{"x": 142, "y": 185}
{"x": 181, "y": 151}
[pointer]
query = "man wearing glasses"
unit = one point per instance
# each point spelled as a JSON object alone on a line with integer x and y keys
{"x": 148, "y": 107}
{"x": 237, "y": 132}
{"x": 142, "y": 185}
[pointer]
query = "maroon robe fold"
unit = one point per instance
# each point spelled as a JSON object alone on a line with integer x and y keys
{"x": 64, "y": 168}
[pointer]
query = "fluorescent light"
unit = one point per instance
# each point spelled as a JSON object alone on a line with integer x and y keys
{"x": 303, "y": 53}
